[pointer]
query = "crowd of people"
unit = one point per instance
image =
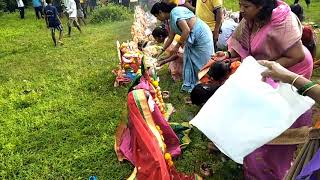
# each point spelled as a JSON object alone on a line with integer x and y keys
{"x": 53, "y": 10}
{"x": 204, "y": 44}
{"x": 204, "y": 47}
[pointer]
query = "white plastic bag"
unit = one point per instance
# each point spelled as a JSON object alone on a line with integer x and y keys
{"x": 246, "y": 113}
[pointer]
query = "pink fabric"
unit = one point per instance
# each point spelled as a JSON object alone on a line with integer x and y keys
{"x": 271, "y": 162}
{"x": 272, "y": 40}
{"x": 170, "y": 138}
{"x": 176, "y": 66}
{"x": 144, "y": 84}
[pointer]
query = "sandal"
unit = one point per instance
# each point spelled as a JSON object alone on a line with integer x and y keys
{"x": 205, "y": 170}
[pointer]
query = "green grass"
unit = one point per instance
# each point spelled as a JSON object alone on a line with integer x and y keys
{"x": 59, "y": 109}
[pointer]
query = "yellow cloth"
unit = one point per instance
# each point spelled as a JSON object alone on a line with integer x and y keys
{"x": 177, "y": 38}
{"x": 204, "y": 10}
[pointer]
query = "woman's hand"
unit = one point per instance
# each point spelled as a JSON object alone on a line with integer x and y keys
{"x": 277, "y": 72}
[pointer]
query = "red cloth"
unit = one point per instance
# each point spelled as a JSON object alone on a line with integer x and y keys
{"x": 307, "y": 35}
{"x": 145, "y": 152}
{"x": 147, "y": 156}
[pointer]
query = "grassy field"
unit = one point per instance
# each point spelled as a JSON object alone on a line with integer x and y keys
{"x": 59, "y": 109}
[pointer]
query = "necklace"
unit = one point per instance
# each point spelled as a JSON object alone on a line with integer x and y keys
{"x": 204, "y": 1}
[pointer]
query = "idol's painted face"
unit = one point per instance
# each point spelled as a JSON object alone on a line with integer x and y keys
{"x": 249, "y": 10}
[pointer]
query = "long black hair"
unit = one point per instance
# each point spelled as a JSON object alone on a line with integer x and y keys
{"x": 202, "y": 92}
{"x": 267, "y": 6}
{"x": 219, "y": 70}
{"x": 163, "y": 7}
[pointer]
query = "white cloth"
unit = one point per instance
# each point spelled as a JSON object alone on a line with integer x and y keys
{"x": 227, "y": 28}
{"x": 245, "y": 113}
{"x": 72, "y": 9}
{"x": 44, "y": 3}
{"x": 20, "y": 3}
{"x": 65, "y": 2}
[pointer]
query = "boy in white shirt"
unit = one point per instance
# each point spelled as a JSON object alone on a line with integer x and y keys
{"x": 21, "y": 8}
{"x": 72, "y": 11}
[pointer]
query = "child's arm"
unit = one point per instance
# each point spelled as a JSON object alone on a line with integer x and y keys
{"x": 169, "y": 59}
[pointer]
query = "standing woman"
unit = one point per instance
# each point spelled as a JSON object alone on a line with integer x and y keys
{"x": 270, "y": 31}
{"x": 195, "y": 38}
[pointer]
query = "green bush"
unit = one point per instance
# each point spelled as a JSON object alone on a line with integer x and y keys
{"x": 111, "y": 12}
{"x": 7, "y": 5}
{"x": 2, "y": 5}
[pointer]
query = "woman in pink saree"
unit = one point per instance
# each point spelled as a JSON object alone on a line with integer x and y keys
{"x": 270, "y": 31}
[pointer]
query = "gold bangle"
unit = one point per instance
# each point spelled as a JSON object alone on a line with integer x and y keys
{"x": 294, "y": 80}
{"x": 309, "y": 89}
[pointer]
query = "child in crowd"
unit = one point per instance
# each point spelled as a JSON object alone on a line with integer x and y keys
{"x": 21, "y": 8}
{"x": 228, "y": 26}
{"x": 58, "y": 5}
{"x": 175, "y": 60}
{"x": 80, "y": 14}
{"x": 38, "y": 5}
{"x": 53, "y": 22}
{"x": 84, "y": 6}
{"x": 202, "y": 92}
{"x": 72, "y": 11}
{"x": 308, "y": 36}
{"x": 216, "y": 73}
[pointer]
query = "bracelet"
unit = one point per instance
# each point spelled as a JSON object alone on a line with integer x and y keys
{"x": 305, "y": 88}
{"x": 303, "y": 94}
{"x": 295, "y": 79}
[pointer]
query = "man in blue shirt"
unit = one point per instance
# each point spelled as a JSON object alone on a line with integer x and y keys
{"x": 53, "y": 22}
{"x": 38, "y": 6}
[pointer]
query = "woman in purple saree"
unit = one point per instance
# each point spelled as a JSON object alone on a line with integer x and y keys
{"x": 270, "y": 31}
